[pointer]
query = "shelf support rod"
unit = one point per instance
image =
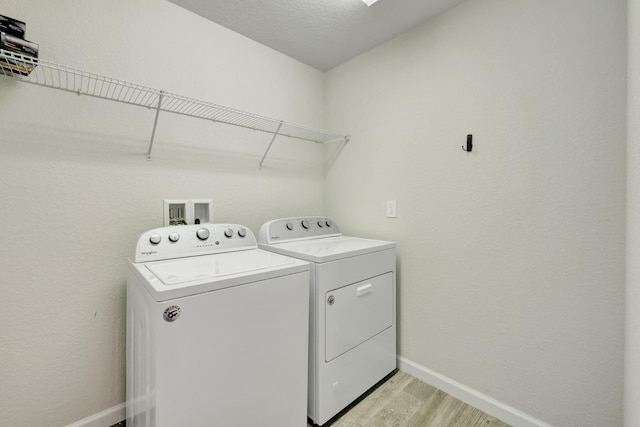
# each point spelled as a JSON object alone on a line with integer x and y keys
{"x": 155, "y": 124}
{"x": 270, "y": 144}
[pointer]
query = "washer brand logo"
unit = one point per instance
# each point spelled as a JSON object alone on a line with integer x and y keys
{"x": 171, "y": 314}
{"x": 274, "y": 237}
{"x": 149, "y": 252}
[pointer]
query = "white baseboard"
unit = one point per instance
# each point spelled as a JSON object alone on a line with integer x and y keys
{"x": 106, "y": 418}
{"x": 468, "y": 395}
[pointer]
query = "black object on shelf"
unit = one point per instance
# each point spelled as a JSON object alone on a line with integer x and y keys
{"x": 13, "y": 26}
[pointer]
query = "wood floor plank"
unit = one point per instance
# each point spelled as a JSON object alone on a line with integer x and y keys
{"x": 375, "y": 401}
{"x": 494, "y": 422}
{"x": 419, "y": 389}
{"x": 436, "y": 411}
{"x": 397, "y": 413}
{"x": 404, "y": 401}
{"x": 471, "y": 417}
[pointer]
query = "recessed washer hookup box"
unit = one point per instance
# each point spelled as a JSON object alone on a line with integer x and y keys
{"x": 13, "y": 26}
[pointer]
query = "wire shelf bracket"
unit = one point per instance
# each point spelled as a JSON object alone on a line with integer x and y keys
{"x": 155, "y": 125}
{"x": 269, "y": 147}
{"x": 56, "y": 76}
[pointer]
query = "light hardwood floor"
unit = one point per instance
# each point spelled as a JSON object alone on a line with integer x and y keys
{"x": 404, "y": 401}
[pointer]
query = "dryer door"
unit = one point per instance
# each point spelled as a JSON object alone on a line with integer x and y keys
{"x": 357, "y": 312}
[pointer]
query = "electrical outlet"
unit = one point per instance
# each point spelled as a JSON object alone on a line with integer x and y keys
{"x": 391, "y": 209}
{"x": 202, "y": 210}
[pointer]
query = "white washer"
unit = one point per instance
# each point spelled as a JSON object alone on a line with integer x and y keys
{"x": 217, "y": 331}
{"x": 352, "y": 337}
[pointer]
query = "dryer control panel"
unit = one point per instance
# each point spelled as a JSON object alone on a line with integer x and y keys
{"x": 297, "y": 228}
{"x": 190, "y": 240}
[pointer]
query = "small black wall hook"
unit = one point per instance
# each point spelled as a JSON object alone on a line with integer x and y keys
{"x": 469, "y": 144}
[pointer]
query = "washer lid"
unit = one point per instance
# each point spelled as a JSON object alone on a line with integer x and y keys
{"x": 329, "y": 249}
{"x": 213, "y": 267}
{"x": 181, "y": 277}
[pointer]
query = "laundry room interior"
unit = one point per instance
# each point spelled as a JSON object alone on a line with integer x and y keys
{"x": 515, "y": 286}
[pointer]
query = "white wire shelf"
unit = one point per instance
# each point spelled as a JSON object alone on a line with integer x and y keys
{"x": 44, "y": 73}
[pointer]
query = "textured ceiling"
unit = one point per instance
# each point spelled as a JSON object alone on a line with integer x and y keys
{"x": 320, "y": 33}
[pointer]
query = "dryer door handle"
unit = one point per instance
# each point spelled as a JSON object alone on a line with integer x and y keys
{"x": 364, "y": 289}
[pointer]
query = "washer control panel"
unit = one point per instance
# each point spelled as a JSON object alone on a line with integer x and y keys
{"x": 190, "y": 240}
{"x": 297, "y": 228}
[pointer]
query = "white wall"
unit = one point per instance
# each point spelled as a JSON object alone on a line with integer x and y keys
{"x": 77, "y": 189}
{"x": 632, "y": 343}
{"x": 511, "y": 258}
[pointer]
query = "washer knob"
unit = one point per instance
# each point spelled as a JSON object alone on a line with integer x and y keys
{"x": 228, "y": 233}
{"x": 320, "y": 224}
{"x": 242, "y": 232}
{"x": 202, "y": 233}
{"x": 305, "y": 224}
{"x": 328, "y": 223}
{"x": 154, "y": 239}
{"x": 174, "y": 237}
{"x": 289, "y": 226}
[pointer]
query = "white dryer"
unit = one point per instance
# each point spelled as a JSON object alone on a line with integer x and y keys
{"x": 352, "y": 336}
{"x": 217, "y": 331}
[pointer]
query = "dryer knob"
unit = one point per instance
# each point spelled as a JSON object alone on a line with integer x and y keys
{"x": 202, "y": 233}
{"x": 320, "y": 224}
{"x": 154, "y": 239}
{"x": 242, "y": 232}
{"x": 328, "y": 223}
{"x": 305, "y": 224}
{"x": 289, "y": 226}
{"x": 228, "y": 233}
{"x": 174, "y": 237}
